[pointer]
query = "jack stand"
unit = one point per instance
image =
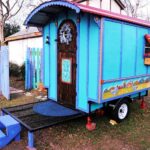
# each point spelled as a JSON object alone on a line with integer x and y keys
{"x": 143, "y": 104}
{"x": 30, "y": 141}
{"x": 90, "y": 125}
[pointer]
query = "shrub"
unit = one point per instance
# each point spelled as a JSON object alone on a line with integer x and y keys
{"x": 16, "y": 70}
{"x": 22, "y": 71}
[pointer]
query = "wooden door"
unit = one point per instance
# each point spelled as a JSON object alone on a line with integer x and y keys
{"x": 67, "y": 63}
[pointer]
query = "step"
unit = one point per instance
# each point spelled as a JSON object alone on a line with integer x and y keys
{"x": 2, "y": 135}
{"x": 8, "y": 121}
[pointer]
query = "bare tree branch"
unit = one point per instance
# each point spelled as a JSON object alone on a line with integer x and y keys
{"x": 132, "y": 7}
{"x": 6, "y": 7}
{"x": 33, "y": 5}
{"x": 41, "y": 1}
{"x": 7, "y": 11}
{"x": 14, "y": 14}
{"x": 15, "y": 3}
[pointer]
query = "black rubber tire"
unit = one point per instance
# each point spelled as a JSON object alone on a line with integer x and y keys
{"x": 115, "y": 111}
{"x": 108, "y": 111}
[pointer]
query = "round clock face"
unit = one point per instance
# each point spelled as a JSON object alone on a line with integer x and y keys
{"x": 65, "y": 34}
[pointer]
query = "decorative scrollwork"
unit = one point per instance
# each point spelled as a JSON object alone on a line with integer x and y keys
{"x": 65, "y": 34}
{"x": 97, "y": 21}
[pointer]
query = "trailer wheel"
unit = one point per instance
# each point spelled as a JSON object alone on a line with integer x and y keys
{"x": 121, "y": 110}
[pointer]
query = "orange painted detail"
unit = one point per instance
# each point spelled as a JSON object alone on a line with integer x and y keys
{"x": 147, "y": 37}
{"x": 102, "y": 82}
{"x": 41, "y": 87}
{"x": 147, "y": 61}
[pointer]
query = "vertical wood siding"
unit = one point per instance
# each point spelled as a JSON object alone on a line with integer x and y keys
{"x": 33, "y": 68}
{"x": 4, "y": 72}
{"x": 53, "y": 62}
{"x": 46, "y": 56}
{"x": 93, "y": 64}
{"x": 123, "y": 44}
{"x": 83, "y": 63}
{"x": 123, "y": 60}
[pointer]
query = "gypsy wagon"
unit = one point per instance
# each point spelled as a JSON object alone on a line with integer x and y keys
{"x": 92, "y": 58}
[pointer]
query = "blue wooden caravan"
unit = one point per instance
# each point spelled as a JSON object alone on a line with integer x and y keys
{"x": 92, "y": 58}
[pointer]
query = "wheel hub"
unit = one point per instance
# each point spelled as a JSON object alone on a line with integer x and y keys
{"x": 123, "y": 111}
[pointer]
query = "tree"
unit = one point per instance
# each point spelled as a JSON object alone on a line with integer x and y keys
{"x": 133, "y": 7}
{"x": 34, "y": 3}
{"x": 8, "y": 9}
{"x": 10, "y": 29}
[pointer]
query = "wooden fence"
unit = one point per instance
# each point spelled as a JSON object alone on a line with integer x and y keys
{"x": 33, "y": 68}
{"x": 4, "y": 72}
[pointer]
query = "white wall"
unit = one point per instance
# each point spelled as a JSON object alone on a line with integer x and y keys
{"x": 94, "y": 3}
{"x": 84, "y": 3}
{"x": 105, "y": 5}
{"x": 123, "y": 12}
{"x": 114, "y": 7}
{"x": 17, "y": 49}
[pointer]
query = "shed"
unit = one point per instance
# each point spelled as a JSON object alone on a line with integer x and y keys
{"x": 116, "y": 6}
{"x": 20, "y": 41}
{"x": 91, "y": 56}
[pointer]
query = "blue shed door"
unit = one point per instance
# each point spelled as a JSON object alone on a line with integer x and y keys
{"x": 67, "y": 63}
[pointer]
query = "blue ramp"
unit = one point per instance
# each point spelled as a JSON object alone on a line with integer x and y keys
{"x": 12, "y": 130}
{"x": 50, "y": 108}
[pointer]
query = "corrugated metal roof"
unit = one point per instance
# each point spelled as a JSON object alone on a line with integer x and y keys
{"x": 39, "y": 17}
{"x": 30, "y": 32}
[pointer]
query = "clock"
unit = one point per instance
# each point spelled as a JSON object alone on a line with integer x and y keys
{"x": 65, "y": 34}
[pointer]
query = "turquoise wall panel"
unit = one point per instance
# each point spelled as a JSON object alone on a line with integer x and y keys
{"x": 68, "y": 15}
{"x": 46, "y": 57}
{"x": 131, "y": 63}
{"x": 111, "y": 50}
{"x": 140, "y": 67}
{"x": 53, "y": 62}
{"x": 82, "y": 64}
{"x": 95, "y": 106}
{"x": 72, "y": 16}
{"x": 128, "y": 50}
{"x": 93, "y": 71}
{"x": 61, "y": 17}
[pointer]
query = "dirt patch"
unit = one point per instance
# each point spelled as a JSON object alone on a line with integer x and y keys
{"x": 17, "y": 83}
{"x": 132, "y": 134}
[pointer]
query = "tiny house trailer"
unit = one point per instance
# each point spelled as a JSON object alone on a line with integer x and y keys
{"x": 92, "y": 58}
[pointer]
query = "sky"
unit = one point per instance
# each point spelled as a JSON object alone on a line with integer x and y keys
{"x": 145, "y": 11}
{"x": 21, "y": 16}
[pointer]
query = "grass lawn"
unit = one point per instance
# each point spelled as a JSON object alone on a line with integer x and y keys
{"x": 132, "y": 134}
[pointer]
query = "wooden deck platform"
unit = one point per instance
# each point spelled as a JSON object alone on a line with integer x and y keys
{"x": 33, "y": 121}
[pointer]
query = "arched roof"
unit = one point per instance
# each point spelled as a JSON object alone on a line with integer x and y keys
{"x": 41, "y": 15}
{"x": 43, "y": 12}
